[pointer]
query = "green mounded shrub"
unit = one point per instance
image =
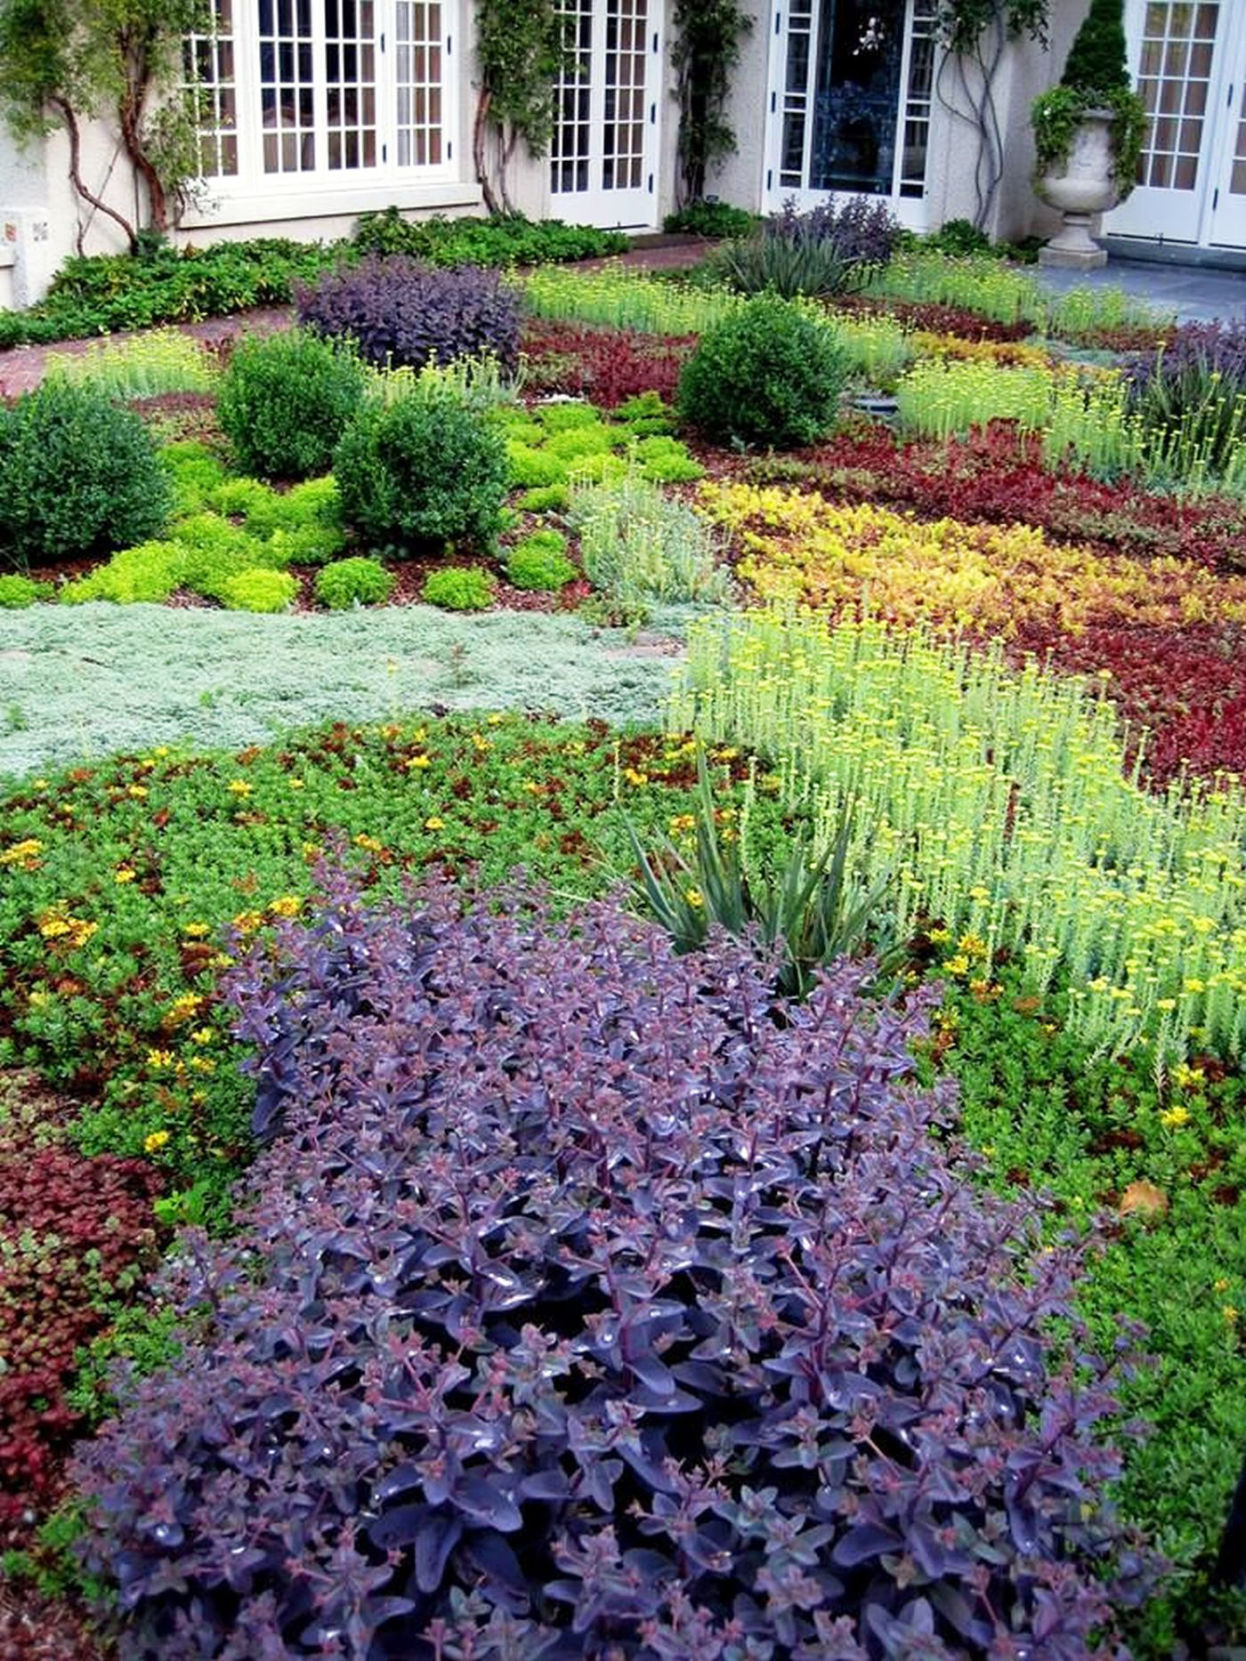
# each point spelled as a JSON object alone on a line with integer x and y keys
{"x": 710, "y": 219}
{"x": 532, "y": 469}
{"x": 79, "y": 477}
{"x": 540, "y": 562}
{"x": 421, "y": 470}
{"x": 767, "y": 375}
{"x": 17, "y": 592}
{"x": 665, "y": 460}
{"x": 258, "y": 589}
{"x": 285, "y": 401}
{"x": 148, "y": 572}
{"x": 565, "y": 417}
{"x": 546, "y": 498}
{"x": 354, "y": 582}
{"x": 646, "y": 414}
{"x": 459, "y": 588}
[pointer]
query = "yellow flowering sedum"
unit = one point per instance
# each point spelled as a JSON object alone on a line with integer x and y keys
{"x": 798, "y": 547}
{"x": 996, "y": 800}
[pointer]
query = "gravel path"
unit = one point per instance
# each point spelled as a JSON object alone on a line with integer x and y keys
{"x": 78, "y": 683}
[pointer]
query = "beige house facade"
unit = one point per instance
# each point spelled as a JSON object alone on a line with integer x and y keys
{"x": 316, "y": 110}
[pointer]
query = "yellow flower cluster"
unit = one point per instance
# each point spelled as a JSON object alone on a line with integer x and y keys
{"x": 57, "y": 924}
{"x": 1008, "y": 353}
{"x": 25, "y": 855}
{"x": 183, "y": 1008}
{"x": 796, "y": 546}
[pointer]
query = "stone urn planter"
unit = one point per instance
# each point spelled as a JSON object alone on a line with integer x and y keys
{"x": 1087, "y": 186}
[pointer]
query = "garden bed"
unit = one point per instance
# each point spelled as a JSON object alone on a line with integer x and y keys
{"x": 207, "y": 945}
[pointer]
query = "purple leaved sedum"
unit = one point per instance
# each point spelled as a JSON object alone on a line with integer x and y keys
{"x": 589, "y": 1303}
{"x": 399, "y": 312}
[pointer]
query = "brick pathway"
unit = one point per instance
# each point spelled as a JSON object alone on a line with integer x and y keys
{"x": 21, "y": 367}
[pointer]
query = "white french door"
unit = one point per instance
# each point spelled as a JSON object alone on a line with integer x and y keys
{"x": 849, "y": 102}
{"x": 1189, "y": 63}
{"x": 603, "y": 158}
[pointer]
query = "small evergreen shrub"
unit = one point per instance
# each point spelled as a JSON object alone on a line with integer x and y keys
{"x": 353, "y": 582}
{"x": 286, "y": 399}
{"x": 398, "y": 312}
{"x": 79, "y": 477}
{"x": 421, "y": 470}
{"x": 766, "y": 375}
{"x": 590, "y": 1302}
{"x": 540, "y": 562}
{"x": 1097, "y": 60}
{"x": 459, "y": 588}
{"x": 258, "y": 589}
{"x": 710, "y": 219}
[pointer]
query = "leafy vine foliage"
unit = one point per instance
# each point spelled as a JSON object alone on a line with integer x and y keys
{"x": 708, "y": 34}
{"x": 64, "y": 62}
{"x": 521, "y": 45}
{"x": 974, "y": 35}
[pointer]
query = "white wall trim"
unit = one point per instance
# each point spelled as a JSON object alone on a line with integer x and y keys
{"x": 292, "y": 206}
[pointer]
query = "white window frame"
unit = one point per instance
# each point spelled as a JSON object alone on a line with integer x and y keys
{"x": 252, "y": 195}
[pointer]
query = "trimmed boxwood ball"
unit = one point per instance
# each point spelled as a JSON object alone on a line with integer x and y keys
{"x": 768, "y": 374}
{"x": 79, "y": 477}
{"x": 592, "y": 1302}
{"x": 421, "y": 470}
{"x": 286, "y": 399}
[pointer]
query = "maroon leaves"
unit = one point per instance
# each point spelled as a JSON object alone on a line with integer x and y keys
{"x": 590, "y": 1301}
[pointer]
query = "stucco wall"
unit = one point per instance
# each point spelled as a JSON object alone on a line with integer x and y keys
{"x": 739, "y": 178}
{"x": 41, "y": 180}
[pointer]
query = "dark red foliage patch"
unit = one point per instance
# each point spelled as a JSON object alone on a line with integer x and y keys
{"x": 607, "y": 366}
{"x": 1188, "y": 688}
{"x": 73, "y": 1230}
{"x": 928, "y": 315}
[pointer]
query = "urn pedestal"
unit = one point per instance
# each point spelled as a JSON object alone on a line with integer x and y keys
{"x": 1086, "y": 187}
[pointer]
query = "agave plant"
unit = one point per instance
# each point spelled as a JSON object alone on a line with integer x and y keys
{"x": 809, "y": 913}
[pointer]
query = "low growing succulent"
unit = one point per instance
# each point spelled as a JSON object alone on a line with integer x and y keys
{"x": 397, "y": 311}
{"x": 588, "y": 1303}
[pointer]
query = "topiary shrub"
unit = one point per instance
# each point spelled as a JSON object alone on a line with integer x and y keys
{"x": 79, "y": 477}
{"x": 353, "y": 582}
{"x": 286, "y": 399}
{"x": 459, "y": 588}
{"x": 397, "y": 311}
{"x": 766, "y": 375}
{"x": 540, "y": 562}
{"x": 421, "y": 469}
{"x": 591, "y": 1303}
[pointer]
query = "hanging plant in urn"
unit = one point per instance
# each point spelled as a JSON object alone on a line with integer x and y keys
{"x": 1088, "y": 133}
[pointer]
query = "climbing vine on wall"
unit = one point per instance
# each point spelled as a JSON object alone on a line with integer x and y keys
{"x": 708, "y": 34}
{"x": 975, "y": 34}
{"x": 65, "y": 62}
{"x": 521, "y": 46}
